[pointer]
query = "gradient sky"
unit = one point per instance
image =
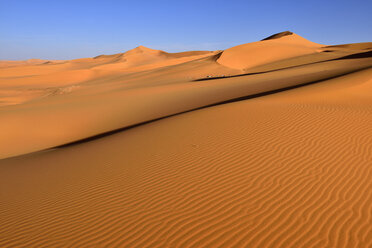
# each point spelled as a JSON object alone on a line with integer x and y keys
{"x": 66, "y": 29}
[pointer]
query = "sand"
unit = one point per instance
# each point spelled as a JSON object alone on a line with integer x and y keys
{"x": 267, "y": 144}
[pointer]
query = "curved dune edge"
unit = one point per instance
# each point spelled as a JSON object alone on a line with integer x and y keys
{"x": 286, "y": 170}
{"x": 55, "y": 120}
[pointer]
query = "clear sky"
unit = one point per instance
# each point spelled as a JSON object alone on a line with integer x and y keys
{"x": 66, "y": 29}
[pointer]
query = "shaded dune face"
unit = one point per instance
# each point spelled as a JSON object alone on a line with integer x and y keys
{"x": 355, "y": 46}
{"x": 278, "y": 35}
{"x": 266, "y": 144}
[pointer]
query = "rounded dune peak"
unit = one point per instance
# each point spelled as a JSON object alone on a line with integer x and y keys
{"x": 139, "y": 56}
{"x": 276, "y": 47}
{"x": 289, "y": 37}
{"x": 142, "y": 49}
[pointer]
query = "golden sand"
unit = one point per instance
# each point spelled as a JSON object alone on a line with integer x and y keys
{"x": 266, "y": 144}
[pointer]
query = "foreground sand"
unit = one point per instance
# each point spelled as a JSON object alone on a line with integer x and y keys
{"x": 159, "y": 160}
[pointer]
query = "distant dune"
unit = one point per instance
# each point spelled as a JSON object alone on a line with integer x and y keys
{"x": 266, "y": 144}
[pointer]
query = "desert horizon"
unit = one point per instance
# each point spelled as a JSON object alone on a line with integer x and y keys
{"x": 264, "y": 144}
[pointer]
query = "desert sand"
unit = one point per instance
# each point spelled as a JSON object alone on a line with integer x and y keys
{"x": 265, "y": 144}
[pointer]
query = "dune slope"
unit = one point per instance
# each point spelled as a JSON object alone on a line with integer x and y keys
{"x": 251, "y": 173}
{"x": 57, "y": 120}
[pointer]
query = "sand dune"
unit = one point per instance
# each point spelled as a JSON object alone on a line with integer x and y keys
{"x": 267, "y": 144}
{"x": 13, "y": 63}
{"x": 268, "y": 50}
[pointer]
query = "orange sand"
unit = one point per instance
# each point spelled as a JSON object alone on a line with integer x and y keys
{"x": 272, "y": 147}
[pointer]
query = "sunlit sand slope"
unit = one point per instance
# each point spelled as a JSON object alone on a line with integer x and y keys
{"x": 65, "y": 116}
{"x": 291, "y": 169}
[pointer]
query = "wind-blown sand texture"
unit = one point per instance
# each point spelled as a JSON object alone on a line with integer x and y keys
{"x": 266, "y": 144}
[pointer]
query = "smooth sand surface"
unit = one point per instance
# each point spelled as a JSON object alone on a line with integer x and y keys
{"x": 267, "y": 144}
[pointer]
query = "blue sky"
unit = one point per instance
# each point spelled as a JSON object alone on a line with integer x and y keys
{"x": 65, "y": 29}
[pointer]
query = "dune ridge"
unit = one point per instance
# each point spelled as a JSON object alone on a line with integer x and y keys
{"x": 152, "y": 149}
